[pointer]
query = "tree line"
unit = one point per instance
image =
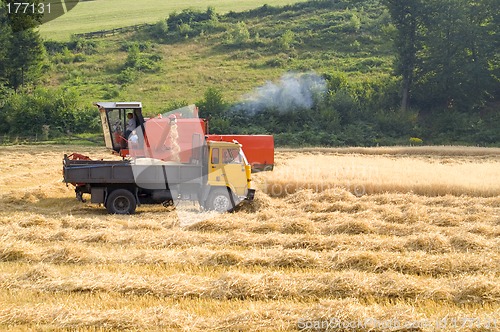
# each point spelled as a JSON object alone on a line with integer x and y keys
{"x": 444, "y": 89}
{"x": 445, "y": 86}
{"x": 26, "y": 107}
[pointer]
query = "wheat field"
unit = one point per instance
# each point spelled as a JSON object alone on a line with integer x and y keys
{"x": 337, "y": 239}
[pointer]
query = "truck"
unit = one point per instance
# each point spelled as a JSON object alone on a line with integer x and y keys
{"x": 166, "y": 159}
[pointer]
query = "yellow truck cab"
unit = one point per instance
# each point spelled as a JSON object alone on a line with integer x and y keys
{"x": 228, "y": 169}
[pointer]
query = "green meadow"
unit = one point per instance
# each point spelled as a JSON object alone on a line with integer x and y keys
{"x": 89, "y": 16}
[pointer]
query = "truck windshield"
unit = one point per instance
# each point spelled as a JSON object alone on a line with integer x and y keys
{"x": 232, "y": 156}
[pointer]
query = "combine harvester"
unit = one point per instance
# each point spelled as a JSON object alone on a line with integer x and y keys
{"x": 167, "y": 159}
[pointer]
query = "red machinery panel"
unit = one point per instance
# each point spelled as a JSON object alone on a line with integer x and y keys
{"x": 259, "y": 149}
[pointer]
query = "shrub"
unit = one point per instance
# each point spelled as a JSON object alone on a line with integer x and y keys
{"x": 53, "y": 47}
{"x": 82, "y": 45}
{"x": 184, "y": 29}
{"x": 212, "y": 103}
{"x": 416, "y": 141}
{"x": 354, "y": 23}
{"x": 159, "y": 30}
{"x": 48, "y": 112}
{"x": 397, "y": 123}
{"x": 285, "y": 42}
{"x": 111, "y": 93}
{"x": 133, "y": 55}
{"x": 359, "y": 134}
{"x": 127, "y": 76}
{"x": 239, "y": 35}
{"x": 189, "y": 17}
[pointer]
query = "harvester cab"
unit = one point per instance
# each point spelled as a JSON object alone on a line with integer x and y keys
{"x": 118, "y": 120}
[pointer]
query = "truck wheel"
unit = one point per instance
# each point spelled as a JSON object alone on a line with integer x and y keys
{"x": 121, "y": 201}
{"x": 220, "y": 201}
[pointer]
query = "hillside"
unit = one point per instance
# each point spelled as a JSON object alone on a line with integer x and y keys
{"x": 312, "y": 73}
{"x": 235, "y": 53}
{"x": 95, "y": 15}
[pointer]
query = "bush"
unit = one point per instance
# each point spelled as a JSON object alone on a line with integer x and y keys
{"x": 416, "y": 141}
{"x": 52, "y": 47}
{"x": 238, "y": 35}
{"x": 159, "y": 30}
{"x": 285, "y": 42}
{"x": 354, "y": 23}
{"x": 397, "y": 123}
{"x": 82, "y": 45}
{"x": 212, "y": 104}
{"x": 139, "y": 61}
{"x": 47, "y": 112}
{"x": 185, "y": 29}
{"x": 111, "y": 93}
{"x": 127, "y": 76}
{"x": 190, "y": 16}
{"x": 359, "y": 134}
{"x": 133, "y": 55}
{"x": 346, "y": 105}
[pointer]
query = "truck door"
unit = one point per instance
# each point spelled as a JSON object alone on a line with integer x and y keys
{"x": 215, "y": 177}
{"x": 228, "y": 169}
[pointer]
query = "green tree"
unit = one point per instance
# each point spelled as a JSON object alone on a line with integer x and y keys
{"x": 407, "y": 17}
{"x": 5, "y": 38}
{"x": 21, "y": 20}
{"x": 214, "y": 107}
{"x": 285, "y": 42}
{"x": 447, "y": 51}
{"x": 455, "y": 64}
{"x": 22, "y": 51}
{"x": 212, "y": 104}
{"x": 26, "y": 57}
{"x": 133, "y": 56}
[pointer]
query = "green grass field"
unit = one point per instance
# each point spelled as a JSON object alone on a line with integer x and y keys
{"x": 90, "y": 16}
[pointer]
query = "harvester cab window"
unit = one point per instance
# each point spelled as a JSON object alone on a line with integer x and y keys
{"x": 231, "y": 156}
{"x": 117, "y": 125}
{"x": 120, "y": 125}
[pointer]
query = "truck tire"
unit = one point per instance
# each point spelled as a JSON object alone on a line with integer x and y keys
{"x": 121, "y": 201}
{"x": 220, "y": 200}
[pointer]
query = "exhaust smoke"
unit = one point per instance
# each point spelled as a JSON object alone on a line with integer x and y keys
{"x": 292, "y": 92}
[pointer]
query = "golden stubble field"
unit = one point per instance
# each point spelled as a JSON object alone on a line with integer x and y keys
{"x": 338, "y": 239}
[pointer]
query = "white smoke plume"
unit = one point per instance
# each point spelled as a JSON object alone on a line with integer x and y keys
{"x": 293, "y": 91}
